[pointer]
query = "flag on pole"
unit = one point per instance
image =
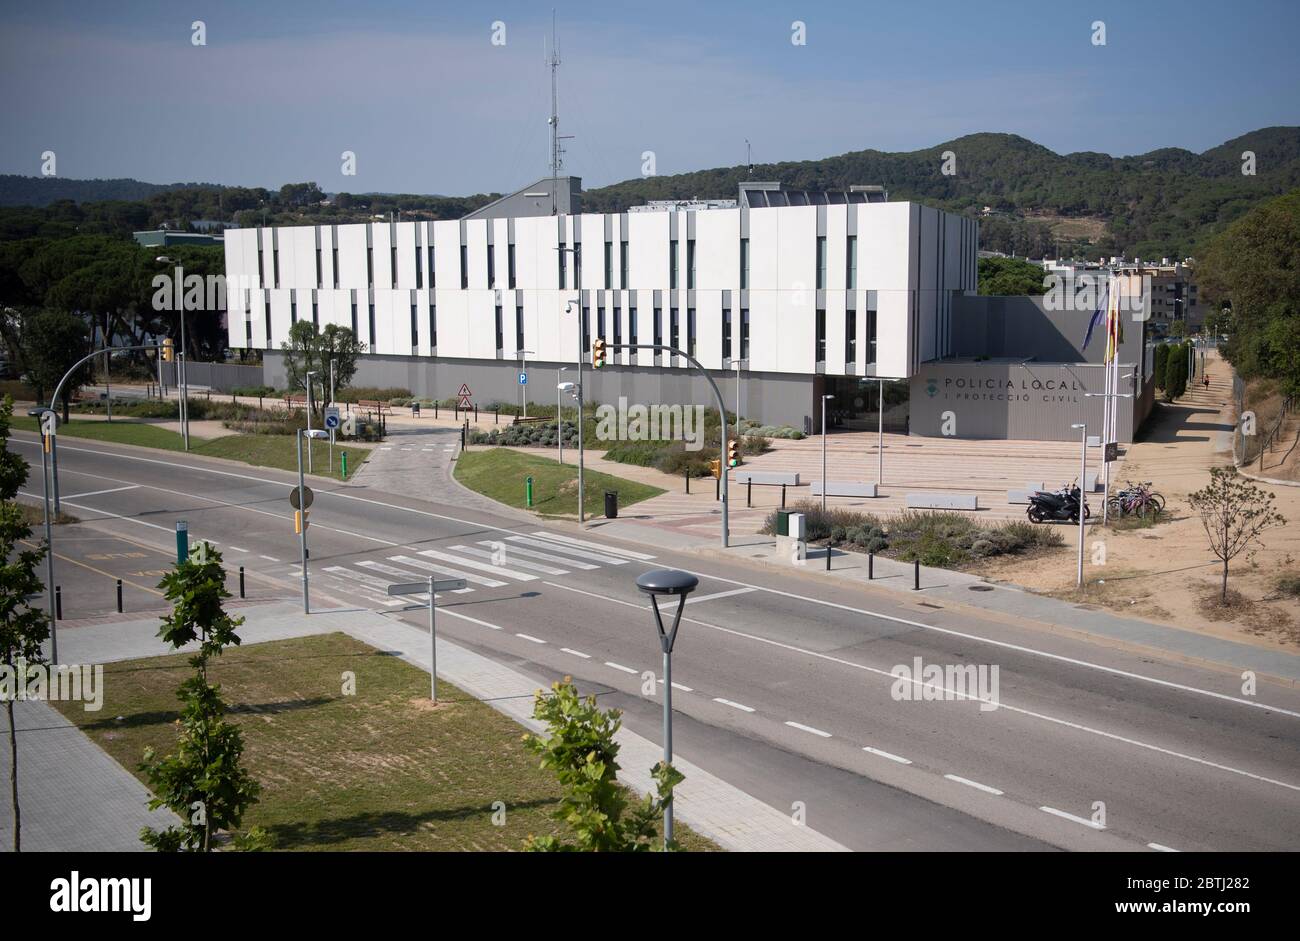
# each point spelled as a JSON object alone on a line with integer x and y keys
{"x": 1096, "y": 316}
{"x": 1113, "y": 328}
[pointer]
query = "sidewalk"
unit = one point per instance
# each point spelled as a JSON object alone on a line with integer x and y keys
{"x": 85, "y": 801}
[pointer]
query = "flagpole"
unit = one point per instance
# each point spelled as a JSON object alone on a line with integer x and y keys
{"x": 1112, "y": 340}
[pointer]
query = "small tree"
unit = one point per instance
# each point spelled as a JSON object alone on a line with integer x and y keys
{"x": 581, "y": 750}
{"x": 202, "y": 782}
{"x": 1234, "y": 512}
{"x": 311, "y": 350}
{"x": 52, "y": 340}
{"x": 1159, "y": 361}
{"x": 23, "y": 628}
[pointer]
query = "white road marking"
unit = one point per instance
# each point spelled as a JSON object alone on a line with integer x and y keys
{"x": 499, "y": 570}
{"x": 269, "y": 558}
{"x": 403, "y": 573}
{"x": 445, "y": 570}
{"x": 535, "y": 640}
{"x": 718, "y": 594}
{"x": 1161, "y": 848}
{"x": 619, "y": 666}
{"x": 514, "y": 550}
{"x": 808, "y": 728}
{"x": 684, "y": 689}
{"x": 237, "y": 549}
{"x": 96, "y": 493}
{"x": 577, "y": 653}
{"x": 1071, "y": 817}
{"x": 570, "y": 550}
{"x": 960, "y": 694}
{"x": 975, "y": 784}
{"x": 734, "y": 705}
{"x": 517, "y": 563}
{"x": 884, "y": 754}
{"x": 598, "y": 546}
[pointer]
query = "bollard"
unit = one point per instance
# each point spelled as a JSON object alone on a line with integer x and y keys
{"x": 749, "y": 493}
{"x": 496, "y": 415}
{"x": 783, "y": 496}
{"x": 58, "y": 603}
{"x": 828, "y": 555}
{"x": 435, "y": 409}
{"x": 528, "y": 490}
{"x": 462, "y": 437}
{"x": 476, "y": 413}
{"x": 345, "y": 465}
{"x": 717, "y": 487}
{"x": 241, "y": 581}
{"x": 687, "y": 474}
{"x": 259, "y": 403}
{"x": 916, "y": 575}
{"x": 119, "y": 596}
{"x": 871, "y": 566}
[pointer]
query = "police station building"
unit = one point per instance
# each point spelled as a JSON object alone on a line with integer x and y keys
{"x": 799, "y": 293}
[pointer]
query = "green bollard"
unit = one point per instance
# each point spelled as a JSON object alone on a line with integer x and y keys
{"x": 345, "y": 464}
{"x": 528, "y": 485}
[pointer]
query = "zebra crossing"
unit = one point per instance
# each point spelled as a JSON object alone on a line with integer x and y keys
{"x": 486, "y": 563}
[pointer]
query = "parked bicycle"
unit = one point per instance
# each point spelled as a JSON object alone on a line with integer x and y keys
{"x": 1137, "y": 500}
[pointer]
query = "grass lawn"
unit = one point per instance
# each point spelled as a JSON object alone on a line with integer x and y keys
{"x": 261, "y": 450}
{"x": 499, "y": 473}
{"x": 381, "y": 769}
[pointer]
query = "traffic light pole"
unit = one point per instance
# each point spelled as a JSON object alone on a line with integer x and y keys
{"x": 302, "y": 528}
{"x": 722, "y": 411}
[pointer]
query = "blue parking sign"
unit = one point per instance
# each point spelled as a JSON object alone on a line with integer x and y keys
{"x": 523, "y": 378}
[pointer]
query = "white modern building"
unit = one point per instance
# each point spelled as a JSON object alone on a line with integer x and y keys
{"x": 810, "y": 292}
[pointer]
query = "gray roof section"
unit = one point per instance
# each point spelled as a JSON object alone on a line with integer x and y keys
{"x": 536, "y": 200}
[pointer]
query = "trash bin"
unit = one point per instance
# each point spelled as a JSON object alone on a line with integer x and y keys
{"x": 415, "y": 409}
{"x": 783, "y": 522}
{"x": 611, "y": 504}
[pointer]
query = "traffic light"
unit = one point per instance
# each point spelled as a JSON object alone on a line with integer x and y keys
{"x": 733, "y": 452}
{"x": 168, "y": 350}
{"x": 598, "y": 353}
{"x": 715, "y": 468}
{"x": 300, "y": 521}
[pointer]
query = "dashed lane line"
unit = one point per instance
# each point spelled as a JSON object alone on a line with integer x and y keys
{"x": 1084, "y": 821}
{"x": 881, "y": 753}
{"x": 734, "y": 705}
{"x": 975, "y": 784}
{"x": 808, "y": 728}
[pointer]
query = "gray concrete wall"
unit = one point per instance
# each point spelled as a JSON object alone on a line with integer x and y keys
{"x": 771, "y": 398}
{"x": 1023, "y": 328}
{"x": 220, "y": 377}
{"x": 1034, "y": 401}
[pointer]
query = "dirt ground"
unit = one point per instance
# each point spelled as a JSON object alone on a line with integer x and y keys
{"x": 1165, "y": 572}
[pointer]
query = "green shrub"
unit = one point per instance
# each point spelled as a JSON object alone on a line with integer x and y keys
{"x": 1289, "y": 584}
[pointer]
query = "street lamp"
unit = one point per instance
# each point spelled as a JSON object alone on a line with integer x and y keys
{"x": 302, "y": 509}
{"x": 310, "y": 384}
{"x": 1083, "y": 474}
{"x": 559, "y": 412}
{"x": 667, "y": 583}
{"x": 181, "y": 374}
{"x": 824, "y": 487}
{"x": 523, "y": 386}
{"x": 582, "y": 512}
{"x": 47, "y": 444}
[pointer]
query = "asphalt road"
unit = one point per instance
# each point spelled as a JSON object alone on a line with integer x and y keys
{"x": 785, "y": 685}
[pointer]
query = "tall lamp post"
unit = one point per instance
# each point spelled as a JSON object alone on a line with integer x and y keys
{"x": 309, "y": 434}
{"x": 667, "y": 583}
{"x": 310, "y": 384}
{"x": 1083, "y": 474}
{"x": 582, "y": 512}
{"x": 824, "y": 487}
{"x": 559, "y": 410}
{"x": 182, "y": 376}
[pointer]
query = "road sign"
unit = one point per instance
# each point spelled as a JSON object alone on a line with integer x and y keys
{"x": 523, "y": 378}
{"x": 464, "y": 395}
{"x": 307, "y": 498}
{"x": 332, "y": 417}
{"x": 419, "y": 588}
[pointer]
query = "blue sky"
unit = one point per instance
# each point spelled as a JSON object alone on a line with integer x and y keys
{"x": 429, "y": 105}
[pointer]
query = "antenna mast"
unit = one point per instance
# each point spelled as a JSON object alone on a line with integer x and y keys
{"x": 554, "y": 62}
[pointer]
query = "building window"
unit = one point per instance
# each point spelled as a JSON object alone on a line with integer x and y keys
{"x": 464, "y": 267}
{"x": 519, "y": 328}
{"x": 659, "y": 328}
{"x": 261, "y": 265}
{"x": 419, "y": 269}
{"x": 433, "y": 326}
{"x": 370, "y": 266}
{"x": 315, "y": 314}
{"x": 631, "y": 325}
{"x": 609, "y": 264}
{"x": 744, "y": 333}
{"x": 501, "y": 340}
{"x": 293, "y": 310}
{"x": 586, "y": 330}
{"x": 690, "y": 330}
{"x": 600, "y": 321}
{"x": 392, "y": 261}
{"x": 622, "y": 265}
{"x": 354, "y": 316}
{"x": 577, "y": 265}
{"x": 563, "y": 265}
{"x": 510, "y": 264}
{"x": 690, "y": 264}
{"x": 821, "y": 262}
{"x": 275, "y": 266}
{"x": 248, "y": 330}
{"x": 871, "y": 336}
{"x": 415, "y": 328}
{"x": 821, "y": 336}
{"x": 672, "y": 265}
{"x": 673, "y": 328}
{"x": 320, "y": 283}
{"x": 726, "y": 333}
{"x": 432, "y": 279}
{"x": 851, "y": 265}
{"x": 851, "y": 336}
{"x": 492, "y": 266}
{"x": 373, "y": 344}
{"x": 744, "y": 265}
{"x": 334, "y": 257}
{"x": 618, "y": 327}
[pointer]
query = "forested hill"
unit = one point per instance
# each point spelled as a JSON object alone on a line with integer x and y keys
{"x": 44, "y": 190}
{"x": 1166, "y": 202}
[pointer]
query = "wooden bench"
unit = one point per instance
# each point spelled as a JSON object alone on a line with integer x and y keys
{"x": 295, "y": 401}
{"x": 374, "y": 405}
{"x": 530, "y": 420}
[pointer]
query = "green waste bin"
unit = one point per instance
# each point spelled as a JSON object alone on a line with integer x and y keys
{"x": 783, "y": 522}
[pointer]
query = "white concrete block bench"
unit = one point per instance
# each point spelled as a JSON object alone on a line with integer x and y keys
{"x": 770, "y": 478}
{"x": 844, "y": 488}
{"x": 943, "y": 501}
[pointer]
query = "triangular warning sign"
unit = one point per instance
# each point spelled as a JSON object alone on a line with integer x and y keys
{"x": 464, "y": 389}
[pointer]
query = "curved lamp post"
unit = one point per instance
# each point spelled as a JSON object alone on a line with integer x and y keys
{"x": 667, "y": 583}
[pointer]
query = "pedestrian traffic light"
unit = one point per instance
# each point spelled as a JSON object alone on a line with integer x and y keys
{"x": 598, "y": 353}
{"x": 733, "y": 453}
{"x": 168, "y": 350}
{"x": 715, "y": 468}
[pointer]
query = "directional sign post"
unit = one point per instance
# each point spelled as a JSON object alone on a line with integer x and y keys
{"x": 332, "y": 422}
{"x": 432, "y": 586}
